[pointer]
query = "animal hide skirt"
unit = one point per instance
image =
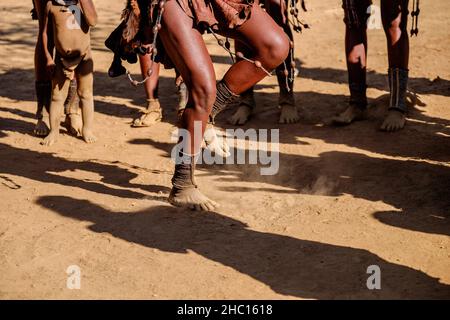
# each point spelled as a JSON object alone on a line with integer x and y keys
{"x": 139, "y": 17}
{"x": 218, "y": 14}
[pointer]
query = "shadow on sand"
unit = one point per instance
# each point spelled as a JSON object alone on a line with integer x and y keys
{"x": 290, "y": 266}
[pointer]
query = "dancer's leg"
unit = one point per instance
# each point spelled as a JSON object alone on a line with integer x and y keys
{"x": 395, "y": 16}
{"x": 356, "y": 58}
{"x": 247, "y": 101}
{"x": 153, "y": 112}
{"x": 289, "y": 114}
{"x": 269, "y": 46}
{"x": 187, "y": 50}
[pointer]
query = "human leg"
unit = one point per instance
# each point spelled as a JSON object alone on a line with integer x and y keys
{"x": 356, "y": 58}
{"x": 153, "y": 111}
{"x": 394, "y": 15}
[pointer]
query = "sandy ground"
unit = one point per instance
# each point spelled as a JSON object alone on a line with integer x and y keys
{"x": 344, "y": 198}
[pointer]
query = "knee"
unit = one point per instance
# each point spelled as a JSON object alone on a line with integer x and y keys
{"x": 276, "y": 50}
{"x": 355, "y": 54}
{"x": 394, "y": 27}
{"x": 353, "y": 57}
{"x": 57, "y": 94}
{"x": 85, "y": 94}
{"x": 203, "y": 93}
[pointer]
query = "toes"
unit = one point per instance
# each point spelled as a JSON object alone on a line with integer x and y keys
{"x": 238, "y": 120}
{"x": 212, "y": 204}
{"x": 208, "y": 205}
{"x": 241, "y": 122}
{"x": 389, "y": 126}
{"x": 289, "y": 120}
{"x": 47, "y": 142}
{"x": 192, "y": 199}
{"x": 90, "y": 139}
{"x": 146, "y": 120}
{"x": 138, "y": 123}
{"x": 222, "y": 150}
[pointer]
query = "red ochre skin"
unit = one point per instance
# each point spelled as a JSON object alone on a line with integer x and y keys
{"x": 186, "y": 49}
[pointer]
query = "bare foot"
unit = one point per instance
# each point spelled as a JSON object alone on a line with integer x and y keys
{"x": 151, "y": 115}
{"x": 147, "y": 119}
{"x": 352, "y": 113}
{"x": 183, "y": 97}
{"x": 215, "y": 143}
{"x": 50, "y": 139}
{"x": 395, "y": 120}
{"x": 241, "y": 116}
{"x": 191, "y": 198}
{"x": 74, "y": 123}
{"x": 88, "y": 136}
{"x": 289, "y": 114}
{"x": 42, "y": 128}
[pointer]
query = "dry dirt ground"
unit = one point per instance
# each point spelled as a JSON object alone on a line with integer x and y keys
{"x": 344, "y": 198}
